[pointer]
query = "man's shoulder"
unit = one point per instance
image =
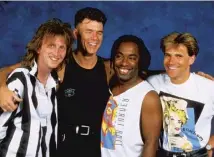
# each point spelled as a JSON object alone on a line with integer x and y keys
{"x": 158, "y": 81}
{"x": 18, "y": 74}
{"x": 20, "y": 70}
{"x": 105, "y": 60}
{"x": 160, "y": 78}
{"x": 107, "y": 65}
{"x": 200, "y": 80}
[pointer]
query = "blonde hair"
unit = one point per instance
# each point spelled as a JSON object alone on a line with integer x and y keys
{"x": 171, "y": 108}
{"x": 50, "y": 28}
{"x": 175, "y": 38}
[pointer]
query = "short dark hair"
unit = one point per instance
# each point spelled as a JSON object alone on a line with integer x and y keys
{"x": 145, "y": 57}
{"x": 90, "y": 13}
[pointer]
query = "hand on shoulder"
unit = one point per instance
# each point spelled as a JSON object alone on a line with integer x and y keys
{"x": 8, "y": 99}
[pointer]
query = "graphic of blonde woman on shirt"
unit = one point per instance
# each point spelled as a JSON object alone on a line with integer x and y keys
{"x": 108, "y": 131}
{"x": 175, "y": 116}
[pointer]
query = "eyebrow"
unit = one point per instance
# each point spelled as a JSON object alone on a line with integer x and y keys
{"x": 119, "y": 52}
{"x": 88, "y": 29}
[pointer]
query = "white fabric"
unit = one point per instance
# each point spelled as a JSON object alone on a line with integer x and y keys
{"x": 39, "y": 116}
{"x": 120, "y": 133}
{"x": 188, "y": 110}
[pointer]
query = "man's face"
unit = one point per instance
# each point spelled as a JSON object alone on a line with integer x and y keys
{"x": 177, "y": 63}
{"x": 126, "y": 61}
{"x": 52, "y": 52}
{"x": 89, "y": 35}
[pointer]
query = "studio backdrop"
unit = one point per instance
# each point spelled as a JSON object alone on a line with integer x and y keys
{"x": 148, "y": 20}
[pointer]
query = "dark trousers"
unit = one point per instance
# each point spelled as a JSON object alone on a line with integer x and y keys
{"x": 197, "y": 153}
{"x": 81, "y": 143}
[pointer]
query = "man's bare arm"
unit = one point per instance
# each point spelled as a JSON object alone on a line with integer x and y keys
{"x": 5, "y": 71}
{"x": 151, "y": 123}
{"x": 211, "y": 142}
{"x": 7, "y": 97}
{"x": 208, "y": 76}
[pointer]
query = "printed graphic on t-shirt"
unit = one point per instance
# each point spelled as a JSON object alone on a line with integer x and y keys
{"x": 179, "y": 118}
{"x": 108, "y": 131}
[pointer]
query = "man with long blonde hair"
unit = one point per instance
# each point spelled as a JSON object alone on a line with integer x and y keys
{"x": 31, "y": 129}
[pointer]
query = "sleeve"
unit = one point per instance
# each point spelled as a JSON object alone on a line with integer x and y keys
{"x": 155, "y": 82}
{"x": 15, "y": 82}
{"x": 212, "y": 96}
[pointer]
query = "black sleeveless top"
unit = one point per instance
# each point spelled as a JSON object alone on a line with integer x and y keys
{"x": 82, "y": 98}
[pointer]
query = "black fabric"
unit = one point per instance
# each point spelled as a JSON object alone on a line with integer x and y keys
{"x": 52, "y": 148}
{"x": 196, "y": 153}
{"x": 43, "y": 143}
{"x": 38, "y": 145}
{"x": 82, "y": 98}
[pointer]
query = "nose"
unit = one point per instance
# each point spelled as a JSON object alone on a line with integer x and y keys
{"x": 94, "y": 35}
{"x": 125, "y": 61}
{"x": 172, "y": 60}
{"x": 56, "y": 52}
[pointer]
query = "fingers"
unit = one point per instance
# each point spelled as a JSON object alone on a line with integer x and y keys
{"x": 16, "y": 99}
{"x": 8, "y": 100}
{"x": 205, "y": 75}
{"x": 9, "y": 106}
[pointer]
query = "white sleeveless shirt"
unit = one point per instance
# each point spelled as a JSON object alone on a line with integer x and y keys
{"x": 120, "y": 132}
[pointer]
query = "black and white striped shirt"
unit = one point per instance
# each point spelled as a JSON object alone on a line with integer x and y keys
{"x": 30, "y": 130}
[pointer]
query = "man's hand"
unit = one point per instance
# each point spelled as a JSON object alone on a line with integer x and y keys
{"x": 8, "y": 99}
{"x": 210, "y": 153}
{"x": 205, "y": 75}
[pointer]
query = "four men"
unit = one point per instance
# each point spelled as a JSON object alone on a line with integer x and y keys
{"x": 83, "y": 95}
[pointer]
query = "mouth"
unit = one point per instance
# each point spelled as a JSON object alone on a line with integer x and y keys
{"x": 177, "y": 129}
{"x": 54, "y": 59}
{"x": 123, "y": 71}
{"x": 93, "y": 44}
{"x": 171, "y": 68}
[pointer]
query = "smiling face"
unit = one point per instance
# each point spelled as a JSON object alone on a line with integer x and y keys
{"x": 89, "y": 35}
{"x": 175, "y": 123}
{"x": 177, "y": 63}
{"x": 52, "y": 52}
{"x": 126, "y": 61}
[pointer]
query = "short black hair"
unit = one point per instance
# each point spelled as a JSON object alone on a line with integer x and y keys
{"x": 145, "y": 57}
{"x": 90, "y": 13}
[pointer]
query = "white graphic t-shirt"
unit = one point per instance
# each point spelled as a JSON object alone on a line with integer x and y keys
{"x": 188, "y": 109}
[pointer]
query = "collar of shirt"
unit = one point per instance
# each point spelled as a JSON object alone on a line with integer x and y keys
{"x": 52, "y": 80}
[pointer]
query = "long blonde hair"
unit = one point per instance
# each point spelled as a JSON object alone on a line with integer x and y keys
{"x": 51, "y": 27}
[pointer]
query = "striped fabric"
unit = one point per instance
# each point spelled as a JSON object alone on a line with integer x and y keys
{"x": 30, "y": 130}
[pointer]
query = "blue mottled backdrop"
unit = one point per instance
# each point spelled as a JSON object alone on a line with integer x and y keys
{"x": 149, "y": 20}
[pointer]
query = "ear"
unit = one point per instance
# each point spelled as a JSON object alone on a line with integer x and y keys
{"x": 192, "y": 59}
{"x": 75, "y": 33}
{"x": 38, "y": 51}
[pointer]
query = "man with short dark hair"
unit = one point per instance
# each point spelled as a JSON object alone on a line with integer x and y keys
{"x": 83, "y": 94}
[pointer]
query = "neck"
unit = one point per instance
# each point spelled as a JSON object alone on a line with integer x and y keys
{"x": 123, "y": 86}
{"x": 85, "y": 61}
{"x": 180, "y": 80}
{"x": 43, "y": 74}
